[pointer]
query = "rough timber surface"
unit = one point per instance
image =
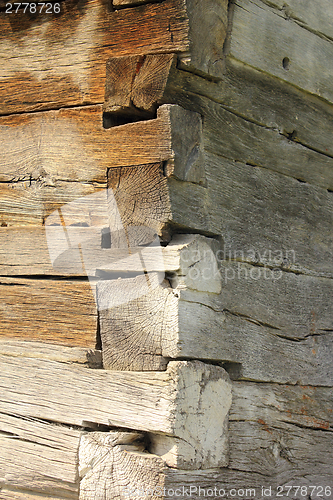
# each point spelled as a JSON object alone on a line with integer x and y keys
{"x": 59, "y": 60}
{"x": 267, "y": 39}
{"x": 38, "y": 457}
{"x": 290, "y": 129}
{"x": 73, "y": 153}
{"x": 50, "y": 310}
{"x": 154, "y": 402}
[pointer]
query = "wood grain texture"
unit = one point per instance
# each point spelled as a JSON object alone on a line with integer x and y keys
{"x": 281, "y": 435}
{"x": 281, "y": 430}
{"x": 154, "y": 402}
{"x": 92, "y": 358}
{"x": 316, "y": 17}
{"x": 289, "y": 130}
{"x": 143, "y": 318}
{"x": 48, "y": 70}
{"x": 38, "y": 457}
{"x": 113, "y": 464}
{"x": 54, "y": 311}
{"x": 73, "y": 153}
{"x": 268, "y": 40}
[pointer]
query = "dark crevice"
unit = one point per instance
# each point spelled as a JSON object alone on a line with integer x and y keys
{"x": 251, "y": 320}
{"x": 134, "y": 4}
{"x": 131, "y": 115}
{"x": 227, "y": 41}
{"x": 52, "y": 108}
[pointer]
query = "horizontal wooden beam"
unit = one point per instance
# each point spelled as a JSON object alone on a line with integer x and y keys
{"x": 155, "y": 402}
{"x": 280, "y": 434}
{"x": 270, "y": 40}
{"x": 82, "y": 40}
{"x": 38, "y": 456}
{"x": 48, "y": 310}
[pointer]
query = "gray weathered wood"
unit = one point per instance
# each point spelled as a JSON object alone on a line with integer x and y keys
{"x": 155, "y": 402}
{"x": 264, "y": 38}
{"x": 38, "y": 457}
{"x": 313, "y": 16}
{"x": 281, "y": 430}
{"x": 280, "y": 113}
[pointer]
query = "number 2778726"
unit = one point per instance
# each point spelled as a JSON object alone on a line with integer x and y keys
{"x": 33, "y": 8}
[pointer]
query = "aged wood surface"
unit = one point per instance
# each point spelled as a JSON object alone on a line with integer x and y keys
{"x": 268, "y": 40}
{"x": 112, "y": 464}
{"x": 53, "y": 352}
{"x": 316, "y": 17}
{"x": 150, "y": 401}
{"x": 142, "y": 318}
{"x": 281, "y": 436}
{"x": 281, "y": 430}
{"x": 49, "y": 310}
{"x": 38, "y": 457}
{"x": 72, "y": 72}
{"x": 279, "y": 114}
{"x": 75, "y": 153}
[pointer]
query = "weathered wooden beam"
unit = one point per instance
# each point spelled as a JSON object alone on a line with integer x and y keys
{"x": 284, "y": 130}
{"x": 155, "y": 402}
{"x": 48, "y": 310}
{"x": 92, "y": 358}
{"x": 69, "y": 138}
{"x": 73, "y": 72}
{"x": 142, "y": 319}
{"x": 251, "y": 313}
{"x": 38, "y": 457}
{"x": 268, "y": 39}
{"x": 280, "y": 436}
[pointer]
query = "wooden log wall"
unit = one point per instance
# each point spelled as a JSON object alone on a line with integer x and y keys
{"x": 166, "y": 181}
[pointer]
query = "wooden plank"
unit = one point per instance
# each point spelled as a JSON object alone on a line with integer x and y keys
{"x": 264, "y": 39}
{"x": 38, "y": 457}
{"x": 74, "y": 147}
{"x": 261, "y": 211}
{"x": 142, "y": 318}
{"x": 72, "y": 71}
{"x": 316, "y": 17}
{"x": 149, "y": 401}
{"x": 107, "y": 458}
{"x": 281, "y": 428}
{"x": 48, "y": 310}
{"x": 53, "y": 352}
{"x": 279, "y": 119}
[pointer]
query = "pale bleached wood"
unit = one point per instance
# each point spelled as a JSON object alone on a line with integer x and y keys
{"x": 52, "y": 352}
{"x": 155, "y": 402}
{"x": 54, "y": 311}
{"x": 13, "y": 494}
{"x": 263, "y": 38}
{"x": 211, "y": 308}
{"x": 112, "y": 464}
{"x": 38, "y": 457}
{"x": 141, "y": 318}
